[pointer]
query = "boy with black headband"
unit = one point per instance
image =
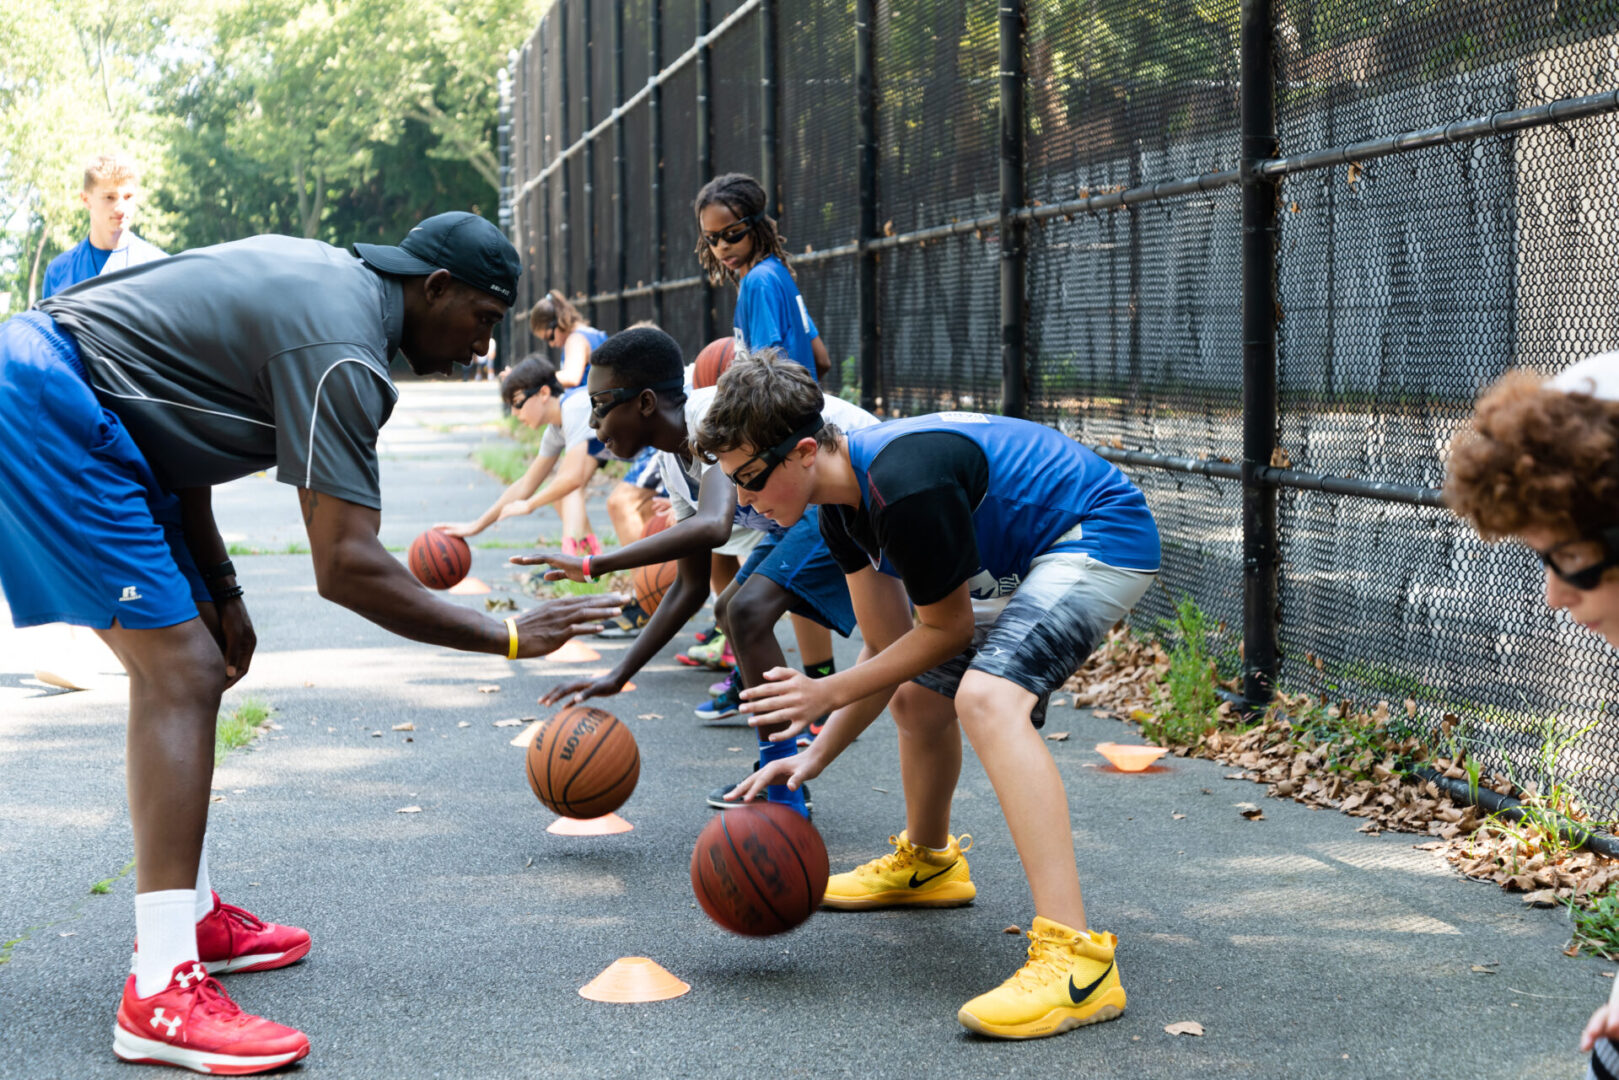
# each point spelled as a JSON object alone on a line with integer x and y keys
{"x": 1019, "y": 549}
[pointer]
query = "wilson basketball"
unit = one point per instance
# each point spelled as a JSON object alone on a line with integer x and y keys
{"x": 657, "y": 523}
{"x": 583, "y": 762}
{"x": 439, "y": 560}
{"x": 651, "y": 582}
{"x": 712, "y": 361}
{"x": 759, "y": 869}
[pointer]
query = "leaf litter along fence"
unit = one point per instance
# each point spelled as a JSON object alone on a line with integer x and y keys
{"x": 1262, "y": 254}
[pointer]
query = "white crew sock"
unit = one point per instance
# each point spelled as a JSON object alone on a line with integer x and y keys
{"x": 167, "y": 934}
{"x": 205, "y": 889}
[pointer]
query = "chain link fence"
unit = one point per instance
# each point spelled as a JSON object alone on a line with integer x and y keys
{"x": 1264, "y": 255}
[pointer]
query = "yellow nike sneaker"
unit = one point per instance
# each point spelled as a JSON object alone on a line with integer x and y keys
{"x": 910, "y": 877}
{"x": 1069, "y": 980}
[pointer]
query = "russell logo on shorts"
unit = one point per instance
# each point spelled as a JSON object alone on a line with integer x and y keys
{"x": 129, "y": 594}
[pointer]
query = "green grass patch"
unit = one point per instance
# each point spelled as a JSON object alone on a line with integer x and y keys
{"x": 504, "y": 461}
{"x": 1188, "y": 703}
{"x": 239, "y": 727}
{"x": 506, "y": 545}
{"x": 291, "y": 547}
{"x": 1596, "y": 928}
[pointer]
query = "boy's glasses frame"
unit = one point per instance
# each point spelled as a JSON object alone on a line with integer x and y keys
{"x": 733, "y": 234}
{"x": 1587, "y": 577}
{"x": 620, "y": 394}
{"x": 774, "y": 456}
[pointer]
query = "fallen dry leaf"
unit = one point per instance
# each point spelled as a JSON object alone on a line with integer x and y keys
{"x": 649, "y": 716}
{"x": 489, "y": 688}
{"x": 1178, "y": 817}
{"x": 464, "y": 723}
{"x": 406, "y": 726}
{"x": 883, "y": 790}
{"x": 512, "y": 721}
{"x": 1250, "y": 811}
{"x": 1057, "y": 736}
{"x": 408, "y": 810}
{"x": 376, "y": 734}
{"x": 1185, "y": 1027}
{"x": 1013, "y": 930}
{"x": 1482, "y": 970}
{"x": 1541, "y": 898}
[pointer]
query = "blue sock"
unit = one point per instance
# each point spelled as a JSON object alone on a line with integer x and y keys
{"x": 779, "y": 793}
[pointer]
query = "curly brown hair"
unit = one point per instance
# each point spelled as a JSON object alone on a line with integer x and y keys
{"x": 1537, "y": 458}
{"x": 759, "y": 401}
{"x": 743, "y": 197}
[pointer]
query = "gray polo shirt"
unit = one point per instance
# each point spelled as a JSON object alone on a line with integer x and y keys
{"x": 225, "y": 360}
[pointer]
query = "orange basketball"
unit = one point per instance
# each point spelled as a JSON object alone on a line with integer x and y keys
{"x": 651, "y": 582}
{"x": 657, "y": 523}
{"x": 583, "y": 762}
{"x": 712, "y": 361}
{"x": 759, "y": 869}
{"x": 439, "y": 560}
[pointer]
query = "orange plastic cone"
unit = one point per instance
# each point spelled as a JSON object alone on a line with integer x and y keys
{"x": 468, "y": 587}
{"x": 606, "y": 825}
{"x": 634, "y": 978}
{"x": 1129, "y": 758}
{"x": 574, "y": 652}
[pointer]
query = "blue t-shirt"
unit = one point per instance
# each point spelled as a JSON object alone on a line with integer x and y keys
{"x": 770, "y": 312}
{"x": 84, "y": 261}
{"x": 954, "y": 497}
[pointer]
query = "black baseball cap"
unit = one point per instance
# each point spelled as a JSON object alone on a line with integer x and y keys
{"x": 468, "y": 246}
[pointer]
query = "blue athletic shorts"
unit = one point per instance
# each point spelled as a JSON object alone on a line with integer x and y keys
{"x": 798, "y": 561}
{"x": 88, "y": 534}
{"x": 1040, "y": 635}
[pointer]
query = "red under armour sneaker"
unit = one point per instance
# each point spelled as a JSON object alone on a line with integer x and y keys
{"x": 230, "y": 939}
{"x": 195, "y": 1025}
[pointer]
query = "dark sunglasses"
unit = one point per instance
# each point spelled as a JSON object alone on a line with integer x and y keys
{"x": 774, "y": 456}
{"x": 734, "y": 234}
{"x": 605, "y": 401}
{"x": 1579, "y": 554}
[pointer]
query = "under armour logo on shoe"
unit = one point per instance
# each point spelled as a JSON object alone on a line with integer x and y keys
{"x": 129, "y": 594}
{"x": 171, "y": 1022}
{"x": 197, "y": 973}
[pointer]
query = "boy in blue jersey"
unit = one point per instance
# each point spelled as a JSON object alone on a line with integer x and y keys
{"x": 111, "y": 193}
{"x": 1019, "y": 549}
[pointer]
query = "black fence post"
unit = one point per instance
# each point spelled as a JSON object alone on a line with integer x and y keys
{"x": 564, "y": 140}
{"x": 865, "y": 78}
{"x": 621, "y": 223}
{"x": 586, "y": 121}
{"x": 768, "y": 97}
{"x": 507, "y": 215}
{"x": 1259, "y": 201}
{"x": 654, "y": 106}
{"x": 705, "y": 150}
{"x": 1013, "y": 230}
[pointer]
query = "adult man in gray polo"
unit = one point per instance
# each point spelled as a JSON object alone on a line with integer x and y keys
{"x": 121, "y": 403}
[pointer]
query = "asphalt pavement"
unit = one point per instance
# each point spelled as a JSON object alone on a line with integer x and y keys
{"x": 451, "y": 942}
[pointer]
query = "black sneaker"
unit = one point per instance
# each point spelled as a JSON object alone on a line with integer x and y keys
{"x": 725, "y": 704}
{"x": 627, "y": 623}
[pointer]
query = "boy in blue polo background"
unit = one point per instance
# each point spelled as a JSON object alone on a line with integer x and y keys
{"x": 111, "y": 193}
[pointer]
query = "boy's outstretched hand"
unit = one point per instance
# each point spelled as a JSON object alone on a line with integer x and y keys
{"x": 562, "y": 566}
{"x": 580, "y": 689}
{"x": 795, "y": 772}
{"x": 786, "y": 697}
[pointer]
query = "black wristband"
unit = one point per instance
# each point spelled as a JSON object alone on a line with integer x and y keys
{"x": 223, "y": 570}
{"x": 221, "y": 595}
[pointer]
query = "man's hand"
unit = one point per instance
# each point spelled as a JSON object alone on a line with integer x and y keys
{"x": 786, "y": 697}
{"x": 227, "y": 620}
{"x": 562, "y": 566}
{"x": 547, "y": 628}
{"x": 580, "y": 689}
{"x": 458, "y": 528}
{"x": 515, "y": 508}
{"x": 795, "y": 772}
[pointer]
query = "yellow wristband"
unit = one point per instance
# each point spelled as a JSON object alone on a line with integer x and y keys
{"x": 511, "y": 649}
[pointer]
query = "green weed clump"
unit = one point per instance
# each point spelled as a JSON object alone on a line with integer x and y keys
{"x": 1188, "y": 706}
{"x": 239, "y": 727}
{"x": 1596, "y": 928}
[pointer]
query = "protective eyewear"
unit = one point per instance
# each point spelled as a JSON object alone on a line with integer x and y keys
{"x": 605, "y": 401}
{"x": 733, "y": 234}
{"x": 1580, "y": 564}
{"x": 774, "y": 456}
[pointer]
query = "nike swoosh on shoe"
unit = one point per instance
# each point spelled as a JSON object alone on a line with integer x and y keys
{"x": 916, "y": 883}
{"x": 1080, "y": 995}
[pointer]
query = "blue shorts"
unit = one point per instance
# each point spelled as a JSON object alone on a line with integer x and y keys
{"x": 89, "y": 535}
{"x": 798, "y": 561}
{"x": 644, "y": 472}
